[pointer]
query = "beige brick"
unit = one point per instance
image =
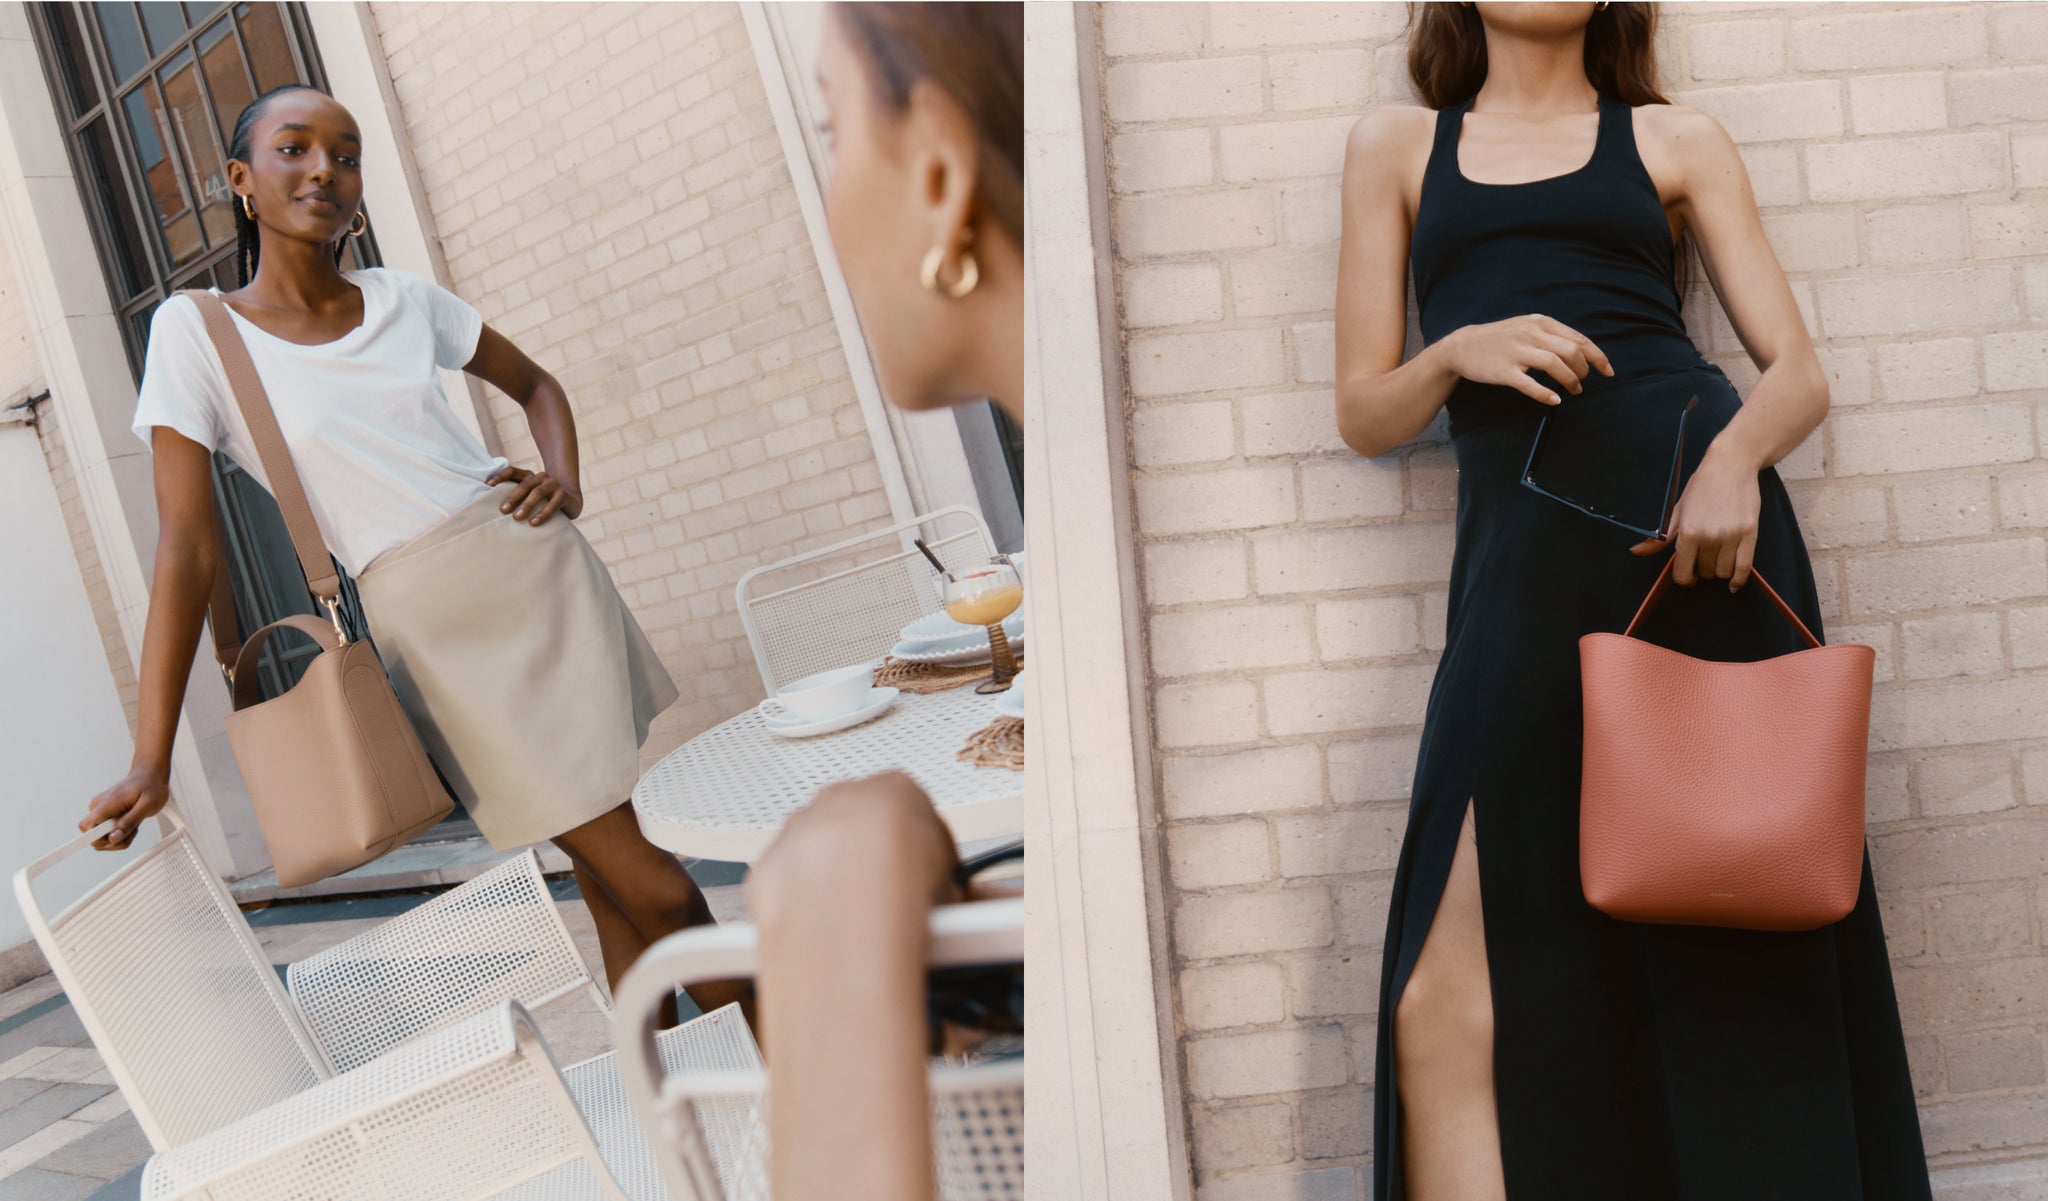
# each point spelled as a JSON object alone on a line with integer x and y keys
{"x": 1215, "y": 925}
{"x": 1165, "y": 364}
{"x": 1340, "y": 842}
{"x": 1218, "y": 854}
{"x": 1194, "y": 222}
{"x": 1163, "y": 91}
{"x": 1905, "y": 927}
{"x": 2003, "y": 95}
{"x": 1835, "y": 514}
{"x": 1964, "y": 781}
{"x": 1311, "y": 213}
{"x": 1359, "y": 698}
{"x": 1898, "y": 103}
{"x": 1774, "y": 173}
{"x": 1942, "y": 508}
{"x": 2015, "y": 360}
{"x": 1916, "y": 235}
{"x": 1927, "y": 577}
{"x": 1241, "y": 26}
{"x": 1433, "y": 479}
{"x": 1979, "y": 1061}
{"x": 1129, "y": 29}
{"x": 1264, "y": 780}
{"x": 2028, "y": 629}
{"x": 1881, "y": 441}
{"x": 1983, "y": 1123}
{"x": 1813, "y": 239}
{"x": 1886, "y": 793}
{"x": 1935, "y": 369}
{"x": 1271, "y": 285}
{"x": 1315, "y": 352}
{"x": 1334, "y": 78}
{"x": 1905, "y": 37}
{"x": 1944, "y": 164}
{"x": 1208, "y": 714}
{"x": 1241, "y": 1136}
{"x": 1772, "y": 112}
{"x": 2019, "y": 31}
{"x": 1161, "y": 158}
{"x": 1736, "y": 49}
{"x": 1329, "y": 560}
{"x": 2034, "y": 782}
{"x": 1378, "y": 768}
{"x": 1233, "y": 994}
{"x": 1979, "y": 923}
{"x": 1288, "y": 1184}
{"x": 1211, "y": 569}
{"x": 1350, "y": 488}
{"x": 2029, "y": 159}
{"x": 1172, "y": 435}
{"x": 1958, "y": 712}
{"x": 1336, "y": 1124}
{"x": 1290, "y": 423}
{"x": 1234, "y": 638}
{"x": 1341, "y": 983}
{"x": 2034, "y": 280}
{"x": 1366, "y": 628}
{"x": 1201, "y": 502}
{"x": 1172, "y": 294}
{"x": 1362, "y": 912}
{"x": 1268, "y": 1061}
{"x": 1276, "y": 150}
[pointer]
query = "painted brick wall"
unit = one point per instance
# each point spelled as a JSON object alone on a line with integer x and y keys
{"x": 611, "y": 193}
{"x": 1295, "y": 593}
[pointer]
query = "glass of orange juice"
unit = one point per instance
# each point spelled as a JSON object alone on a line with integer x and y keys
{"x": 983, "y": 596}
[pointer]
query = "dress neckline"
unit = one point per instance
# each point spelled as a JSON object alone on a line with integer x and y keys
{"x": 1456, "y": 124}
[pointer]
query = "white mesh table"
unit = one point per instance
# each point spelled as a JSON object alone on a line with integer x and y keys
{"x": 724, "y": 793}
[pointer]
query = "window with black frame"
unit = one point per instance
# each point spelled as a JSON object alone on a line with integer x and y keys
{"x": 148, "y": 94}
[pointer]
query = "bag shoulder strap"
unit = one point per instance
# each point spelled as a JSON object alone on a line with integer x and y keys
{"x": 283, "y": 475}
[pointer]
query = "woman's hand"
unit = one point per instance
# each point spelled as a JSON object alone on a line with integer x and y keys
{"x": 1503, "y": 352}
{"x": 538, "y": 495}
{"x": 135, "y": 797}
{"x": 1714, "y": 523}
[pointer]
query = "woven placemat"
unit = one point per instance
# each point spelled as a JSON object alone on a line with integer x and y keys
{"x": 1000, "y": 743}
{"x": 930, "y": 677}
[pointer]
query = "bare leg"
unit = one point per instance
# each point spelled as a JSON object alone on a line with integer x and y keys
{"x": 1443, "y": 1049}
{"x": 619, "y": 942}
{"x": 649, "y": 889}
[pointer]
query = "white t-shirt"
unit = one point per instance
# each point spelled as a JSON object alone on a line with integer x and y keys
{"x": 381, "y": 453}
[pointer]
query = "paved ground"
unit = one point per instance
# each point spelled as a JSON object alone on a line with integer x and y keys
{"x": 65, "y": 1132}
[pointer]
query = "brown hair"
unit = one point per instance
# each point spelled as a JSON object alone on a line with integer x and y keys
{"x": 975, "y": 54}
{"x": 1447, "y": 63}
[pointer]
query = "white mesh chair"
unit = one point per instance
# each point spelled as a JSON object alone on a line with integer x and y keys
{"x": 709, "y": 1127}
{"x": 407, "y": 1068}
{"x": 848, "y": 602}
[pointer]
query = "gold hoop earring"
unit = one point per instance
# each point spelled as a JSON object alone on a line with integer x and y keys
{"x": 1601, "y": 7}
{"x": 360, "y": 226}
{"x": 970, "y": 273}
{"x": 247, "y": 211}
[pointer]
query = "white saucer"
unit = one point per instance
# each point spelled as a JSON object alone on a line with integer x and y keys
{"x": 1010, "y": 703}
{"x": 939, "y": 632}
{"x": 783, "y": 723}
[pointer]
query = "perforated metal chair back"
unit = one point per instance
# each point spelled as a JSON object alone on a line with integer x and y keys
{"x": 179, "y": 999}
{"x": 848, "y": 602}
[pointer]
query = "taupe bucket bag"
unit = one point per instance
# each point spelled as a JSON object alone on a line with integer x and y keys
{"x": 334, "y": 766}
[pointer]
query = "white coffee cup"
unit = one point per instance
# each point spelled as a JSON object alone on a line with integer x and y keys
{"x": 829, "y": 693}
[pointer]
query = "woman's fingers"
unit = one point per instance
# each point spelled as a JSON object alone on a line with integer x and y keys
{"x": 548, "y": 506}
{"x": 1745, "y": 556}
{"x": 1593, "y": 354}
{"x": 529, "y": 491}
{"x": 1554, "y": 365}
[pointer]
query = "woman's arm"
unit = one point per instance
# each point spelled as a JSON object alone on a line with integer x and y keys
{"x": 1715, "y": 524}
{"x": 188, "y": 554}
{"x": 559, "y": 485}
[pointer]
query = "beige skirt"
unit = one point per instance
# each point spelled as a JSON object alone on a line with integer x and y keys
{"x": 530, "y": 682}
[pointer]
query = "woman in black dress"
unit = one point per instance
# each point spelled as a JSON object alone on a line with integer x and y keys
{"x": 1530, "y": 1046}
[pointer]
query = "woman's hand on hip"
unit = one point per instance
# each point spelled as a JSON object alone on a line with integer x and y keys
{"x": 134, "y": 798}
{"x": 1715, "y": 522}
{"x": 538, "y": 497}
{"x": 1503, "y": 352}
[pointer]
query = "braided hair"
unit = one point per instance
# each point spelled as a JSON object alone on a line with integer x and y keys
{"x": 249, "y": 244}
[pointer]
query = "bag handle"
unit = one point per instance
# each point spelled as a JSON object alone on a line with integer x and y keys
{"x": 285, "y": 484}
{"x": 1664, "y": 581}
{"x": 242, "y": 680}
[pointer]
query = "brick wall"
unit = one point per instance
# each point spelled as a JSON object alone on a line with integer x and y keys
{"x": 1295, "y": 593}
{"x": 610, "y": 191}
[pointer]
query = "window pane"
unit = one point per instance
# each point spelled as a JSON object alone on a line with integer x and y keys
{"x": 196, "y": 13}
{"x": 124, "y": 39}
{"x": 82, "y": 89}
{"x": 225, "y": 78}
{"x": 203, "y": 153}
{"x": 166, "y": 22}
{"x": 270, "y": 52}
{"x": 174, "y": 217}
{"x": 130, "y": 263}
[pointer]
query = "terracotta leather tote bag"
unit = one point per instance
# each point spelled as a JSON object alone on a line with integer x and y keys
{"x": 1723, "y": 794}
{"x": 334, "y": 766}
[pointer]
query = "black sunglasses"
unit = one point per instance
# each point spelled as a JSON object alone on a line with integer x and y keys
{"x": 1600, "y": 509}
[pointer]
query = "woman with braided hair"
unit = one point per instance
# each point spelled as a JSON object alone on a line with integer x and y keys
{"x": 528, "y": 679}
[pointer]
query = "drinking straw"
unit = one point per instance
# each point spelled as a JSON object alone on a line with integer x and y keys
{"x": 936, "y": 565}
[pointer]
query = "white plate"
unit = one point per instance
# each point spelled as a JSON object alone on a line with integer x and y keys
{"x": 785, "y": 724}
{"x": 938, "y": 631}
{"x": 1011, "y": 703}
{"x": 955, "y": 656}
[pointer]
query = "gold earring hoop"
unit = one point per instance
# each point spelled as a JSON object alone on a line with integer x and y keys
{"x": 970, "y": 273}
{"x": 360, "y": 226}
{"x": 1601, "y": 7}
{"x": 247, "y": 211}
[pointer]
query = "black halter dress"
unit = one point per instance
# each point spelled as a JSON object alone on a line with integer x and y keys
{"x": 1632, "y": 1062}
